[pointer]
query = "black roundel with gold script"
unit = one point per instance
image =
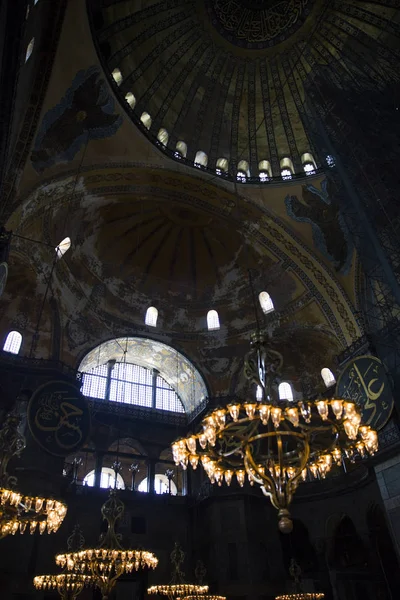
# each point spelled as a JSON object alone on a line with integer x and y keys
{"x": 59, "y": 417}
{"x": 364, "y": 380}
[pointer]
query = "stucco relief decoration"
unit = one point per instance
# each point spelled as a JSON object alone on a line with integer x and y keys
{"x": 320, "y": 209}
{"x": 258, "y": 23}
{"x": 86, "y": 112}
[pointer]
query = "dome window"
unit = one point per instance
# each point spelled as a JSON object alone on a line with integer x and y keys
{"x": 29, "y": 49}
{"x": 201, "y": 159}
{"x": 265, "y": 171}
{"x": 180, "y": 149}
{"x": 328, "y": 377}
{"x": 308, "y": 163}
{"x": 222, "y": 166}
{"x": 213, "y": 320}
{"x": 330, "y": 161}
{"x": 13, "y": 342}
{"x": 266, "y": 303}
{"x": 151, "y": 316}
{"x": 117, "y": 76}
{"x": 131, "y": 100}
{"x": 287, "y": 169}
{"x": 285, "y": 391}
{"x": 146, "y": 120}
{"x": 62, "y": 247}
{"x": 163, "y": 136}
{"x": 243, "y": 171}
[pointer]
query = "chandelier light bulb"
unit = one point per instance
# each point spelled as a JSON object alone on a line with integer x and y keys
{"x": 322, "y": 406}
{"x": 264, "y": 412}
{"x": 234, "y": 410}
{"x": 337, "y": 408}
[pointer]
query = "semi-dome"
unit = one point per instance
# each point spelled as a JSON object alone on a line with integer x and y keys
{"x": 228, "y": 80}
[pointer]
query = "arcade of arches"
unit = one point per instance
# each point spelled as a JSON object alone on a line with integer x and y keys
{"x": 166, "y": 188}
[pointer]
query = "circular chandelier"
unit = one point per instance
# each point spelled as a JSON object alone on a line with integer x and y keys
{"x": 109, "y": 560}
{"x": 68, "y": 585}
{"x": 276, "y": 444}
{"x": 18, "y": 512}
{"x": 204, "y": 597}
{"x": 178, "y": 588}
{"x": 302, "y": 596}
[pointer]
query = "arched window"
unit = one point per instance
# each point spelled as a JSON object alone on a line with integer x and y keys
{"x": 181, "y": 149}
{"x": 308, "y": 162}
{"x": 163, "y": 136}
{"x": 285, "y": 391}
{"x": 265, "y": 171}
{"x": 131, "y": 100}
{"x": 122, "y": 370}
{"x": 328, "y": 377}
{"x": 213, "y": 320}
{"x": 146, "y": 120}
{"x": 13, "y": 342}
{"x": 287, "y": 169}
{"x": 161, "y": 485}
{"x": 63, "y": 247}
{"x": 29, "y": 49}
{"x": 222, "y": 166}
{"x": 266, "y": 303}
{"x": 243, "y": 171}
{"x": 151, "y": 316}
{"x": 201, "y": 158}
{"x": 107, "y": 479}
{"x": 117, "y": 76}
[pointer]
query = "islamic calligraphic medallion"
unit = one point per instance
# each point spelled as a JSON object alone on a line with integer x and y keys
{"x": 364, "y": 380}
{"x": 59, "y": 417}
{"x": 258, "y": 23}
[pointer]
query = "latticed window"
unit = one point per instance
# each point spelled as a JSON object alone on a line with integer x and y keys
{"x": 285, "y": 391}
{"x": 117, "y": 76}
{"x": 131, "y": 384}
{"x": 213, "y": 320}
{"x": 309, "y": 169}
{"x": 13, "y": 342}
{"x": 266, "y": 303}
{"x": 131, "y": 100}
{"x": 286, "y": 174}
{"x": 328, "y": 377}
{"x": 62, "y": 247}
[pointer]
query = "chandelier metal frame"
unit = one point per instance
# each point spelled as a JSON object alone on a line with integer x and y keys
{"x": 109, "y": 560}
{"x": 276, "y": 443}
{"x": 18, "y": 511}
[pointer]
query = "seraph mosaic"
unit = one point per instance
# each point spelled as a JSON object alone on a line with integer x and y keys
{"x": 85, "y": 113}
{"x": 320, "y": 209}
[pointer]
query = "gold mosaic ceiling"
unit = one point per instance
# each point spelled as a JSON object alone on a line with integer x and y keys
{"x": 230, "y": 77}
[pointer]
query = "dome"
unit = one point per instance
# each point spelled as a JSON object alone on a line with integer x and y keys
{"x": 230, "y": 78}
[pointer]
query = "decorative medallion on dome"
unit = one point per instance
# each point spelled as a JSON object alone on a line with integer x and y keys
{"x": 258, "y": 23}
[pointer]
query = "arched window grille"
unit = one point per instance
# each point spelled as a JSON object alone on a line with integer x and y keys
{"x": 181, "y": 149}
{"x": 151, "y": 316}
{"x": 62, "y": 247}
{"x": 13, "y": 342}
{"x": 266, "y": 303}
{"x": 330, "y": 161}
{"x": 146, "y": 120}
{"x": 222, "y": 166}
{"x": 285, "y": 391}
{"x": 163, "y": 136}
{"x": 213, "y": 320}
{"x": 107, "y": 479}
{"x": 29, "y": 49}
{"x": 201, "y": 158}
{"x": 161, "y": 485}
{"x": 117, "y": 76}
{"x": 287, "y": 169}
{"x": 131, "y": 384}
{"x": 130, "y": 98}
{"x": 328, "y": 377}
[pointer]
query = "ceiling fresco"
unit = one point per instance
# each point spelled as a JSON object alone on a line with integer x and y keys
{"x": 232, "y": 78}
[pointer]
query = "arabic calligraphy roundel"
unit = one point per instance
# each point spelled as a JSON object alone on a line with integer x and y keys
{"x": 59, "y": 417}
{"x": 364, "y": 380}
